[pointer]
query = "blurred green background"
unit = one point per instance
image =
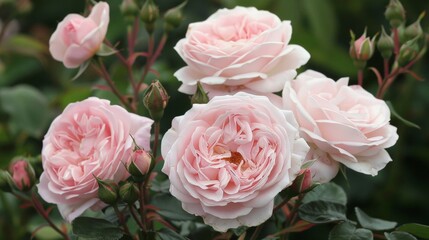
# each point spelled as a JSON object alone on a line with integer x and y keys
{"x": 34, "y": 89}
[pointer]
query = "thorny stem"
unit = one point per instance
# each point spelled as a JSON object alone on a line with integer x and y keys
{"x": 134, "y": 213}
{"x": 105, "y": 74}
{"x": 152, "y": 56}
{"x": 293, "y": 214}
{"x": 39, "y": 208}
{"x": 142, "y": 206}
{"x": 121, "y": 219}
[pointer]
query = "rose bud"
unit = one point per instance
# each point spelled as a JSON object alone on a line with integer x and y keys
{"x": 23, "y": 174}
{"x": 107, "y": 191}
{"x": 148, "y": 14}
{"x": 6, "y": 181}
{"x": 362, "y": 49}
{"x": 129, "y": 192}
{"x": 155, "y": 100}
{"x": 415, "y": 29}
{"x": 385, "y": 44}
{"x": 129, "y": 9}
{"x": 408, "y": 52}
{"x": 200, "y": 95}
{"x": 395, "y": 13}
{"x": 174, "y": 16}
{"x": 139, "y": 164}
{"x": 302, "y": 182}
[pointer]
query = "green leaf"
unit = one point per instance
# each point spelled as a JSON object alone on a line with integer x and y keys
{"x": 373, "y": 223}
{"x": 25, "y": 45}
{"x": 170, "y": 207}
{"x": 416, "y": 229}
{"x": 403, "y": 120}
{"x": 348, "y": 231}
{"x": 328, "y": 192}
{"x": 82, "y": 69}
{"x": 322, "y": 212}
{"x": 168, "y": 234}
{"x": 28, "y": 110}
{"x": 96, "y": 229}
{"x": 397, "y": 235}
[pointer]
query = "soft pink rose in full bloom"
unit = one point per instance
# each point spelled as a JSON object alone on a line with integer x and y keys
{"x": 89, "y": 139}
{"x": 239, "y": 49}
{"x": 77, "y": 38}
{"x": 342, "y": 123}
{"x": 228, "y": 159}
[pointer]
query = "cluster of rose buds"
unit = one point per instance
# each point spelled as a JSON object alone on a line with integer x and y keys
{"x": 406, "y": 43}
{"x": 21, "y": 176}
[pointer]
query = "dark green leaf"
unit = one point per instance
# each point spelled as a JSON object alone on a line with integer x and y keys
{"x": 322, "y": 212}
{"x": 373, "y": 223}
{"x": 348, "y": 231}
{"x": 406, "y": 122}
{"x": 168, "y": 234}
{"x": 170, "y": 207}
{"x": 397, "y": 235}
{"x": 240, "y": 230}
{"x": 28, "y": 110}
{"x": 96, "y": 229}
{"x": 416, "y": 229}
{"x": 328, "y": 192}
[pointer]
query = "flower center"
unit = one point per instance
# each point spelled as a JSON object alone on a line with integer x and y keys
{"x": 235, "y": 158}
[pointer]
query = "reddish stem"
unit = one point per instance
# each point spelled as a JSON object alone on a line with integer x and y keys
{"x": 386, "y": 67}
{"x": 360, "y": 77}
{"x": 396, "y": 41}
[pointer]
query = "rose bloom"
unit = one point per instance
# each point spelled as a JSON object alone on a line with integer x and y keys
{"x": 77, "y": 39}
{"x": 228, "y": 159}
{"x": 342, "y": 123}
{"x": 89, "y": 139}
{"x": 239, "y": 49}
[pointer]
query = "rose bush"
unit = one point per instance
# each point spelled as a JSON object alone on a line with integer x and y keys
{"x": 89, "y": 139}
{"x": 77, "y": 39}
{"x": 228, "y": 159}
{"x": 345, "y": 122}
{"x": 238, "y": 49}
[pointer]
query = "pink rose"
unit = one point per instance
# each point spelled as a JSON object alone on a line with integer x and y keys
{"x": 240, "y": 47}
{"x": 77, "y": 39}
{"x": 346, "y": 122}
{"x": 229, "y": 158}
{"x": 22, "y": 174}
{"x": 89, "y": 139}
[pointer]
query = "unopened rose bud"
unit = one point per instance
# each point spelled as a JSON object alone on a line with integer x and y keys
{"x": 174, "y": 16}
{"x": 415, "y": 29}
{"x": 408, "y": 52}
{"x": 200, "y": 95}
{"x": 155, "y": 100}
{"x": 385, "y": 44}
{"x": 22, "y": 174}
{"x": 395, "y": 13}
{"x": 129, "y": 192}
{"x": 140, "y": 164}
{"x": 107, "y": 191}
{"x": 6, "y": 181}
{"x": 129, "y": 9}
{"x": 303, "y": 182}
{"x": 148, "y": 14}
{"x": 361, "y": 50}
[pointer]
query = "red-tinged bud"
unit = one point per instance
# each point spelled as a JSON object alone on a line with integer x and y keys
{"x": 107, "y": 191}
{"x": 361, "y": 50}
{"x": 174, "y": 17}
{"x": 408, "y": 52}
{"x": 140, "y": 164}
{"x": 23, "y": 174}
{"x": 395, "y": 13}
{"x": 303, "y": 182}
{"x": 200, "y": 96}
{"x": 129, "y": 192}
{"x": 148, "y": 14}
{"x": 155, "y": 100}
{"x": 385, "y": 44}
{"x": 6, "y": 181}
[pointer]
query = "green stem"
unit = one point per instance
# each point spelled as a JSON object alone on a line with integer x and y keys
{"x": 121, "y": 219}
